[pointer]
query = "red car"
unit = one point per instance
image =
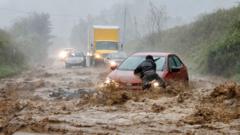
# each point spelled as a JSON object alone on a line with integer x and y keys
{"x": 169, "y": 67}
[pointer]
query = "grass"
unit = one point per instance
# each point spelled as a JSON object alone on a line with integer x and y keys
{"x": 236, "y": 78}
{"x": 9, "y": 70}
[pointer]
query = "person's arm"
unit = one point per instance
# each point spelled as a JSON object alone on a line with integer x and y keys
{"x": 138, "y": 69}
{"x": 157, "y": 59}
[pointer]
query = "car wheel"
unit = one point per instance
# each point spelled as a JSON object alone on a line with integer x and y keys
{"x": 83, "y": 64}
{"x": 67, "y": 65}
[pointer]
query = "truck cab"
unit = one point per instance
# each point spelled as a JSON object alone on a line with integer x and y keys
{"x": 105, "y": 42}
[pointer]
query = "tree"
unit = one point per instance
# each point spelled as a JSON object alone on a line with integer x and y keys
{"x": 156, "y": 18}
{"x": 135, "y": 23}
{"x": 79, "y": 35}
{"x": 33, "y": 35}
{"x": 9, "y": 54}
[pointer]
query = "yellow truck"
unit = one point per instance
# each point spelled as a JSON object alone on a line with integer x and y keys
{"x": 105, "y": 40}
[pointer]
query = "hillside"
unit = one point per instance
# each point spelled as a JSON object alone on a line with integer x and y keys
{"x": 210, "y": 45}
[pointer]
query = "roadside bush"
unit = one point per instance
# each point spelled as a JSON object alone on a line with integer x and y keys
{"x": 11, "y": 60}
{"x": 224, "y": 58}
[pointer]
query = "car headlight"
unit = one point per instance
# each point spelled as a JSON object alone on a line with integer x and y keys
{"x": 62, "y": 54}
{"x": 98, "y": 56}
{"x": 89, "y": 54}
{"x": 108, "y": 81}
{"x": 113, "y": 63}
{"x": 156, "y": 84}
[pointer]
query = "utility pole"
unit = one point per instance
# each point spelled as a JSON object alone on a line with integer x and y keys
{"x": 124, "y": 26}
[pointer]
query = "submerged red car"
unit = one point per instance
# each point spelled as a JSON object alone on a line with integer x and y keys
{"x": 169, "y": 67}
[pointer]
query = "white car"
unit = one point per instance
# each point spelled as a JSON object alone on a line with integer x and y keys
{"x": 114, "y": 59}
{"x": 65, "y": 53}
{"x": 75, "y": 59}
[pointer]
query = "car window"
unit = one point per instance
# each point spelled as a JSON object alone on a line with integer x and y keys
{"x": 177, "y": 61}
{"x": 77, "y": 54}
{"x": 160, "y": 63}
{"x": 132, "y": 62}
{"x": 171, "y": 62}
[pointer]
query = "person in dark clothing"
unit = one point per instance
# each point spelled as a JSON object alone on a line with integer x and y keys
{"x": 147, "y": 72}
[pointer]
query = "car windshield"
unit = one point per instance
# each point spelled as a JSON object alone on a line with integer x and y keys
{"x": 106, "y": 45}
{"x": 132, "y": 62}
{"x": 118, "y": 56}
{"x": 77, "y": 54}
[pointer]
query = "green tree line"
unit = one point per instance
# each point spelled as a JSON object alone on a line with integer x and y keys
{"x": 11, "y": 59}
{"x": 224, "y": 57}
{"x": 26, "y": 42}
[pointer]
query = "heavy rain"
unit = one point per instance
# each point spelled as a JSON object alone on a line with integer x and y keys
{"x": 109, "y": 67}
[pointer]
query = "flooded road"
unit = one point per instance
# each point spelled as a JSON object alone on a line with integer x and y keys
{"x": 54, "y": 100}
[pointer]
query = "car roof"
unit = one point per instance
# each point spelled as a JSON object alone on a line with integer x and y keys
{"x": 119, "y": 52}
{"x": 69, "y": 49}
{"x": 153, "y": 54}
{"x": 78, "y": 52}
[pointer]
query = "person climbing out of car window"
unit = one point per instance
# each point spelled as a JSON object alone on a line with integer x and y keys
{"x": 147, "y": 72}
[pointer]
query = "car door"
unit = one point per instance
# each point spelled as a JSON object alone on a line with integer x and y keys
{"x": 171, "y": 75}
{"x": 176, "y": 69}
{"x": 182, "y": 74}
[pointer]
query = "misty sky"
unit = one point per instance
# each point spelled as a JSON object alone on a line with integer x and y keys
{"x": 66, "y": 13}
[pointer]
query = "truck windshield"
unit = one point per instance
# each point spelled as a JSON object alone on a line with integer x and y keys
{"x": 106, "y": 45}
{"x": 132, "y": 62}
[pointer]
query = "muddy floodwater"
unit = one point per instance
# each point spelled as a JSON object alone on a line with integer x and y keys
{"x": 53, "y": 100}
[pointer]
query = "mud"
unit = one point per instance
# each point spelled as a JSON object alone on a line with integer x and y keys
{"x": 54, "y": 100}
{"x": 222, "y": 105}
{"x": 110, "y": 94}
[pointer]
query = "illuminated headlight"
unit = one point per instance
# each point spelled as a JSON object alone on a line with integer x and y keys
{"x": 98, "y": 56}
{"x": 62, "y": 54}
{"x": 156, "y": 84}
{"x": 113, "y": 63}
{"x": 108, "y": 81}
{"x": 89, "y": 54}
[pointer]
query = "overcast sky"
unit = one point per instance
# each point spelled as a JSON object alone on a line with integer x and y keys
{"x": 66, "y": 13}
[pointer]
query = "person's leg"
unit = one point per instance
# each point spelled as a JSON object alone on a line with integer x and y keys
{"x": 146, "y": 84}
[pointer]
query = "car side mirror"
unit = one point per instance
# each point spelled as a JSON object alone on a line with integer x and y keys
{"x": 113, "y": 67}
{"x": 175, "y": 69}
